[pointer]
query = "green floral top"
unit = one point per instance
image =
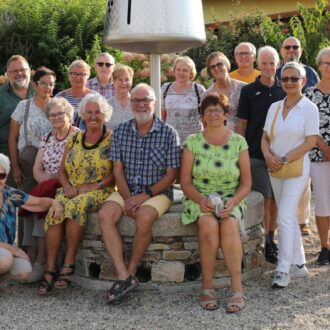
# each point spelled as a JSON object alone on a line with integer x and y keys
{"x": 215, "y": 169}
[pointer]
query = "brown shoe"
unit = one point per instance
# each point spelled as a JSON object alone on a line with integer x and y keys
{"x": 305, "y": 230}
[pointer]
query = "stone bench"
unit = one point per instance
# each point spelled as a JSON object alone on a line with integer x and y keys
{"x": 173, "y": 255}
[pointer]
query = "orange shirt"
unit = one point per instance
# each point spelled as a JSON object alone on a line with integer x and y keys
{"x": 248, "y": 79}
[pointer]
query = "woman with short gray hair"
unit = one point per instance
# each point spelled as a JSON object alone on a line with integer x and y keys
{"x": 290, "y": 132}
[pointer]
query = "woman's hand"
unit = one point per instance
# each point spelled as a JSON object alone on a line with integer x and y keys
{"x": 19, "y": 253}
{"x": 228, "y": 207}
{"x": 205, "y": 205}
{"x": 56, "y": 210}
{"x": 17, "y": 175}
{"x": 273, "y": 163}
{"x": 70, "y": 191}
{"x": 326, "y": 153}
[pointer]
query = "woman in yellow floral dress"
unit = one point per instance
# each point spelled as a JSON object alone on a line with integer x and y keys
{"x": 87, "y": 180}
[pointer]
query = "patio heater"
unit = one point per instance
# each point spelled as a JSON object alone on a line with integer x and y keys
{"x": 154, "y": 27}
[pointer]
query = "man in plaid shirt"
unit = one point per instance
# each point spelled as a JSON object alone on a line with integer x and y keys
{"x": 146, "y": 156}
{"x": 102, "y": 83}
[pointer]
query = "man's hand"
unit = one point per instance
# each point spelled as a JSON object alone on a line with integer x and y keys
{"x": 134, "y": 202}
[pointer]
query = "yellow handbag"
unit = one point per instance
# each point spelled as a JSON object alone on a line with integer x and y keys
{"x": 292, "y": 169}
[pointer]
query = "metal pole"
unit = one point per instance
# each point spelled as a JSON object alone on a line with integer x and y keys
{"x": 155, "y": 79}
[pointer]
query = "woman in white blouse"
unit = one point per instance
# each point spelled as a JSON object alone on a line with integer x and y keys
{"x": 290, "y": 132}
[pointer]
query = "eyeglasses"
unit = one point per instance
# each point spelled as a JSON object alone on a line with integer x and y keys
{"x": 219, "y": 65}
{"x": 288, "y": 47}
{"x": 327, "y": 64}
{"x": 18, "y": 70}
{"x": 76, "y": 75}
{"x": 244, "y": 54}
{"x": 213, "y": 111}
{"x": 44, "y": 84}
{"x": 3, "y": 175}
{"x": 101, "y": 64}
{"x": 145, "y": 101}
{"x": 58, "y": 115}
{"x": 292, "y": 79}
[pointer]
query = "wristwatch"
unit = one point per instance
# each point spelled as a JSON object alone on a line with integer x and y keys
{"x": 148, "y": 192}
{"x": 284, "y": 160}
{"x": 101, "y": 184}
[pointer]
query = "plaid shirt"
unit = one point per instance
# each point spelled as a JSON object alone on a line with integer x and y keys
{"x": 108, "y": 91}
{"x": 146, "y": 159}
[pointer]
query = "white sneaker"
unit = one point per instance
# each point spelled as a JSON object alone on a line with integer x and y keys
{"x": 298, "y": 272}
{"x": 281, "y": 280}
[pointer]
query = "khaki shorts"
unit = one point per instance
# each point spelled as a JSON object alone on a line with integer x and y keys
{"x": 160, "y": 203}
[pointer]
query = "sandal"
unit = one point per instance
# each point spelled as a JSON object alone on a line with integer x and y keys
{"x": 233, "y": 306}
{"x": 45, "y": 286}
{"x": 64, "y": 279}
{"x": 211, "y": 303}
{"x": 120, "y": 289}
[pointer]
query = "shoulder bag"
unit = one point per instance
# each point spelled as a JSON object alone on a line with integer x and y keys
{"x": 292, "y": 169}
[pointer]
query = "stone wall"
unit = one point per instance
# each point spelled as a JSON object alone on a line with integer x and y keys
{"x": 173, "y": 255}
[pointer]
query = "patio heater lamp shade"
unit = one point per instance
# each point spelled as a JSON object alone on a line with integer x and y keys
{"x": 154, "y": 26}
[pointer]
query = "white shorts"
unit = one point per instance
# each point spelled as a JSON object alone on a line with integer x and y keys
{"x": 320, "y": 174}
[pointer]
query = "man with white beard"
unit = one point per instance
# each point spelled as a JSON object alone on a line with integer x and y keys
{"x": 17, "y": 89}
{"x": 146, "y": 157}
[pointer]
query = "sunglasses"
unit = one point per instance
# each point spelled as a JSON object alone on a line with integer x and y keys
{"x": 292, "y": 79}
{"x": 101, "y": 64}
{"x": 3, "y": 175}
{"x": 288, "y": 47}
{"x": 219, "y": 65}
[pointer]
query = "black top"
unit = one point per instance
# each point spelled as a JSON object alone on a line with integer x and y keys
{"x": 253, "y": 106}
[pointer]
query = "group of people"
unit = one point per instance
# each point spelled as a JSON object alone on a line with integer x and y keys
{"x": 98, "y": 147}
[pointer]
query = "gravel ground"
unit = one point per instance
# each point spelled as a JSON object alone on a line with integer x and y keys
{"x": 305, "y": 304}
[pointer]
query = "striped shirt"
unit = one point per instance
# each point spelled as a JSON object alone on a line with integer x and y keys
{"x": 146, "y": 158}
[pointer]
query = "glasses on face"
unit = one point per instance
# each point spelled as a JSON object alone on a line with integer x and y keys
{"x": 288, "y": 47}
{"x": 102, "y": 64}
{"x": 219, "y": 65}
{"x": 17, "y": 71}
{"x": 244, "y": 54}
{"x": 76, "y": 75}
{"x": 292, "y": 79}
{"x": 3, "y": 175}
{"x": 213, "y": 111}
{"x": 58, "y": 115}
{"x": 45, "y": 85}
{"x": 145, "y": 101}
{"x": 326, "y": 64}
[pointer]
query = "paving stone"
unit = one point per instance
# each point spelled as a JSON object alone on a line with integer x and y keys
{"x": 176, "y": 255}
{"x": 170, "y": 271}
{"x": 190, "y": 245}
{"x": 158, "y": 246}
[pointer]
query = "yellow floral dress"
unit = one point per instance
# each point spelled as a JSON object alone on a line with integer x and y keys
{"x": 82, "y": 166}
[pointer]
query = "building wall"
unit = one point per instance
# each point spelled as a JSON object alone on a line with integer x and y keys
{"x": 222, "y": 8}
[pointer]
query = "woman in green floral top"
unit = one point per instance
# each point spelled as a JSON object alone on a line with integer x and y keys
{"x": 216, "y": 161}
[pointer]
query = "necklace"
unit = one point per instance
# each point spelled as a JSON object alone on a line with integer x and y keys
{"x": 290, "y": 106}
{"x": 95, "y": 145}
{"x": 66, "y": 135}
